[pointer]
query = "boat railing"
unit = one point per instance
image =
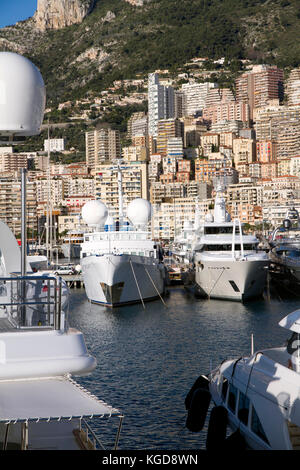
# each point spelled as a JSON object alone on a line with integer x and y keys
{"x": 88, "y": 438}
{"x": 116, "y": 236}
{"x": 31, "y": 301}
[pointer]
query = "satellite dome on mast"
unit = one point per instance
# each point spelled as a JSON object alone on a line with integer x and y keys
{"x": 22, "y": 96}
{"x": 139, "y": 212}
{"x": 94, "y": 213}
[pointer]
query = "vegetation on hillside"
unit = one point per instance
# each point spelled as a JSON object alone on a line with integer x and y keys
{"x": 162, "y": 34}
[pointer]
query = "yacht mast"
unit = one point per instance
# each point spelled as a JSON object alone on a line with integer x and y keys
{"x": 49, "y": 211}
{"x": 23, "y": 241}
{"x": 120, "y": 193}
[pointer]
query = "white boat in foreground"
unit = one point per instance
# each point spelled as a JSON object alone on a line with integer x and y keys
{"x": 121, "y": 266}
{"x": 257, "y": 397}
{"x": 228, "y": 264}
{"x": 41, "y": 406}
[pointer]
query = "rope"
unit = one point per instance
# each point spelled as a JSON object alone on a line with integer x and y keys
{"x": 137, "y": 284}
{"x": 215, "y": 283}
{"x": 155, "y": 286}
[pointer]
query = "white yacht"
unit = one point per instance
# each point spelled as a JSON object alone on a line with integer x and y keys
{"x": 41, "y": 406}
{"x": 228, "y": 264}
{"x": 182, "y": 248}
{"x": 121, "y": 266}
{"x": 260, "y": 393}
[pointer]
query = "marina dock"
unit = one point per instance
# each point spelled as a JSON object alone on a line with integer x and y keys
{"x": 73, "y": 280}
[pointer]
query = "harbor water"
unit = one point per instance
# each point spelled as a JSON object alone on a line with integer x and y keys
{"x": 148, "y": 359}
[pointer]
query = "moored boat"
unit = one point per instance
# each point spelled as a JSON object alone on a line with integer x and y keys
{"x": 228, "y": 263}
{"x": 121, "y": 266}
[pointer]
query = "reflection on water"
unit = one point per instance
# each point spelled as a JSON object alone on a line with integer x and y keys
{"x": 148, "y": 359}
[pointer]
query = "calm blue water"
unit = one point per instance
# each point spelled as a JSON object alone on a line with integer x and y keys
{"x": 148, "y": 359}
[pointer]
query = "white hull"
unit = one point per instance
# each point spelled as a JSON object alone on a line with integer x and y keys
{"x": 114, "y": 280}
{"x": 230, "y": 279}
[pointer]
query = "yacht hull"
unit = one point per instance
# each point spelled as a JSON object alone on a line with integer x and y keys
{"x": 231, "y": 279}
{"x": 116, "y": 280}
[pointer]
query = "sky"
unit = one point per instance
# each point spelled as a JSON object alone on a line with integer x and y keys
{"x": 12, "y": 11}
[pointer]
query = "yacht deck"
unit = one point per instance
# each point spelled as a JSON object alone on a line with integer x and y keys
{"x": 6, "y": 326}
{"x": 278, "y": 355}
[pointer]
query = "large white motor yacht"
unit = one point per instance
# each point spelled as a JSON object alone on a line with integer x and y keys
{"x": 121, "y": 266}
{"x": 228, "y": 264}
{"x": 261, "y": 393}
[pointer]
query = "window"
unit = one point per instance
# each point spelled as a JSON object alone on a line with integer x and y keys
{"x": 232, "y": 398}
{"x": 243, "y": 408}
{"x": 257, "y": 427}
{"x": 224, "y": 388}
{"x": 217, "y": 230}
{"x": 234, "y": 286}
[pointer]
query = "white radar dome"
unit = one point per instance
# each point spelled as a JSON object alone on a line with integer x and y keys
{"x": 139, "y": 211}
{"x": 22, "y": 96}
{"x": 94, "y": 213}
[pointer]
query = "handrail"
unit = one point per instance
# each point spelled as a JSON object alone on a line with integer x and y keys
{"x": 233, "y": 240}
{"x": 241, "y": 239}
{"x": 89, "y": 429}
{"x": 235, "y": 222}
{"x": 32, "y": 300}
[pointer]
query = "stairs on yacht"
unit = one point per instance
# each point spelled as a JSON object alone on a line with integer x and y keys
{"x": 294, "y": 432}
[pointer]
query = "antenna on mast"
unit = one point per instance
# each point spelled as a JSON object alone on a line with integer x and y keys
{"x": 120, "y": 193}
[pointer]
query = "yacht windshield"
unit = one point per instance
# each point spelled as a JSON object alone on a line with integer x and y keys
{"x": 228, "y": 247}
{"x": 217, "y": 230}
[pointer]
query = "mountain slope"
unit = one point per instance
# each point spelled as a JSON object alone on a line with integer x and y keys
{"x": 119, "y": 40}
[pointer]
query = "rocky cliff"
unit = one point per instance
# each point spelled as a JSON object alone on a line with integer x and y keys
{"x": 122, "y": 39}
{"x": 57, "y": 14}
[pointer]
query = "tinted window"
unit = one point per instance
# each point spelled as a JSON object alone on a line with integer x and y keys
{"x": 243, "y": 408}
{"x": 232, "y": 398}
{"x": 228, "y": 247}
{"x": 224, "y": 388}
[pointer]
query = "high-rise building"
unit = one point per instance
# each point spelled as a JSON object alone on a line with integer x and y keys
{"x": 175, "y": 147}
{"x": 193, "y": 129}
{"x": 133, "y": 118}
{"x": 166, "y": 129}
{"x": 134, "y": 185}
{"x": 102, "y": 145}
{"x": 293, "y": 87}
{"x": 10, "y": 202}
{"x": 135, "y": 153}
{"x": 194, "y": 96}
{"x": 262, "y": 85}
{"x": 232, "y": 111}
{"x": 139, "y": 127}
{"x": 13, "y": 161}
{"x": 280, "y": 124}
{"x": 160, "y": 102}
{"x": 216, "y": 96}
{"x": 244, "y": 150}
{"x": 266, "y": 151}
{"x": 227, "y": 126}
{"x": 144, "y": 141}
{"x": 160, "y": 191}
{"x": 178, "y": 104}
